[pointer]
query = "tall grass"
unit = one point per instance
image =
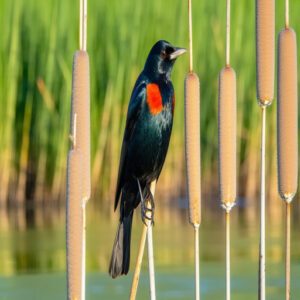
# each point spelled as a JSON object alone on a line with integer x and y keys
{"x": 38, "y": 40}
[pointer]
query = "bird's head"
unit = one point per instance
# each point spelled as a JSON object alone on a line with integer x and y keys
{"x": 161, "y": 59}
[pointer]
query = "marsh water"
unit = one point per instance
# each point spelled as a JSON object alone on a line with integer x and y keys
{"x": 32, "y": 256}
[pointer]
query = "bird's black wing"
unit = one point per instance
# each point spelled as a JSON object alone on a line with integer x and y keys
{"x": 137, "y": 98}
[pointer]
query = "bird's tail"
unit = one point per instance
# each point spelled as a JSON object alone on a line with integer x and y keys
{"x": 120, "y": 258}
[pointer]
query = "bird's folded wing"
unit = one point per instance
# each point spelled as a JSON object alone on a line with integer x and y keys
{"x": 138, "y": 97}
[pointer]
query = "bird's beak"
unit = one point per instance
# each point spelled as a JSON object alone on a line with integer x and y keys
{"x": 177, "y": 52}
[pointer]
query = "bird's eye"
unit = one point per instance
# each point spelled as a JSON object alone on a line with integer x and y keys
{"x": 169, "y": 50}
{"x": 163, "y": 54}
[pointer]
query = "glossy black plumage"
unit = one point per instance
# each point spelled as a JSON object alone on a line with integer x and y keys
{"x": 145, "y": 143}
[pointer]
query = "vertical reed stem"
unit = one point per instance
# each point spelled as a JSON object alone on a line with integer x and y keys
{"x": 83, "y": 25}
{"x": 227, "y": 212}
{"x": 227, "y": 32}
{"x": 227, "y": 229}
{"x": 262, "y": 246}
{"x": 151, "y": 262}
{"x": 137, "y": 271}
{"x": 288, "y": 252}
{"x": 287, "y": 15}
{"x": 150, "y": 252}
{"x": 197, "y": 263}
{"x": 190, "y": 35}
{"x": 83, "y": 251}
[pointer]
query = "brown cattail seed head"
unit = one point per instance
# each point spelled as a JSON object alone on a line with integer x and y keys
{"x": 192, "y": 142}
{"x": 74, "y": 224}
{"x": 287, "y": 111}
{"x": 227, "y": 137}
{"x": 81, "y": 107}
{"x": 265, "y": 50}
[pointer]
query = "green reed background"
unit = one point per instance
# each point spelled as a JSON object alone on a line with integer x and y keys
{"x": 37, "y": 43}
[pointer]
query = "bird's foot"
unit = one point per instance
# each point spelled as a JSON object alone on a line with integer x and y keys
{"x": 147, "y": 210}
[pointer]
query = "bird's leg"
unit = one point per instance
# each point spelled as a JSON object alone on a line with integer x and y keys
{"x": 145, "y": 207}
{"x": 150, "y": 206}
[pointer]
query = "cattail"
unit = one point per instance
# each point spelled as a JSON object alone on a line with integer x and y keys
{"x": 227, "y": 136}
{"x": 192, "y": 134}
{"x": 287, "y": 131}
{"x": 81, "y": 107}
{"x": 265, "y": 52}
{"x": 192, "y": 149}
{"x": 74, "y": 224}
{"x": 265, "y": 56}
{"x": 78, "y": 181}
{"x": 227, "y": 144}
{"x": 287, "y": 114}
{"x": 227, "y": 153}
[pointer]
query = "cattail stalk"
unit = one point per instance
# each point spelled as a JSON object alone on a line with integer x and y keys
{"x": 227, "y": 32}
{"x": 150, "y": 249}
{"x": 262, "y": 243}
{"x": 197, "y": 262}
{"x": 138, "y": 265}
{"x": 83, "y": 25}
{"x": 265, "y": 55}
{"x": 227, "y": 237}
{"x": 192, "y": 149}
{"x": 190, "y": 35}
{"x": 287, "y": 13}
{"x": 137, "y": 271}
{"x": 287, "y": 130}
{"x": 227, "y": 143}
{"x": 288, "y": 252}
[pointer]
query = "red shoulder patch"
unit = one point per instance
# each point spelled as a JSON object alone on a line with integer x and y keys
{"x": 154, "y": 99}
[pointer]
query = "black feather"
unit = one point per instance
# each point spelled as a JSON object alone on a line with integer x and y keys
{"x": 120, "y": 259}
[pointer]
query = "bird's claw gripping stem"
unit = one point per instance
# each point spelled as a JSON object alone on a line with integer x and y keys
{"x": 147, "y": 207}
{"x": 147, "y": 211}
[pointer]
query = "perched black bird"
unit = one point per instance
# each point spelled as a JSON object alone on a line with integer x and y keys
{"x": 145, "y": 144}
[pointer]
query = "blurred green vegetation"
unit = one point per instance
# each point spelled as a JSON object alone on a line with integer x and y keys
{"x": 38, "y": 41}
